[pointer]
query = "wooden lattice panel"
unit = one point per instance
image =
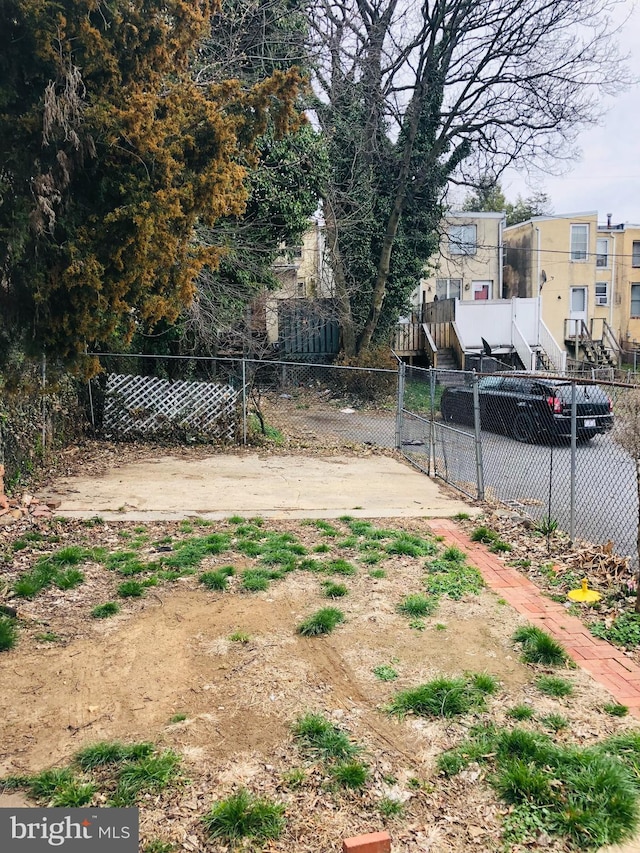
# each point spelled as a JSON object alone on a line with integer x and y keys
{"x": 147, "y": 406}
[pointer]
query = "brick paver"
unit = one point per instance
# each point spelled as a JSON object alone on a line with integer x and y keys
{"x": 606, "y": 664}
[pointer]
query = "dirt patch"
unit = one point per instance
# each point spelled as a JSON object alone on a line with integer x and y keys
{"x": 170, "y": 653}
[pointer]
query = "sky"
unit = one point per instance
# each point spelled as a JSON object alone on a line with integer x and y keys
{"x": 607, "y": 176}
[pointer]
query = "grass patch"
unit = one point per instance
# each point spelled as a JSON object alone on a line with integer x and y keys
{"x": 452, "y": 578}
{"x": 47, "y": 637}
{"x": 256, "y": 580}
{"x": 178, "y": 718}
{"x": 321, "y": 622}
{"x": 243, "y": 815}
{"x": 444, "y": 697}
{"x": 390, "y": 808}
{"x": 105, "y": 753}
{"x": 318, "y": 736}
{"x": 218, "y": 579}
{"x": 378, "y": 574}
{"x": 411, "y": 546}
{"x": 340, "y": 567}
{"x": 555, "y": 722}
{"x": 551, "y": 685}
{"x": 125, "y": 563}
{"x": 485, "y": 535}
{"x": 131, "y": 589}
{"x": 539, "y": 647}
{"x": 350, "y": 774}
{"x": 520, "y": 712}
{"x": 325, "y": 528}
{"x": 615, "y": 710}
{"x": 103, "y": 611}
{"x": 334, "y": 590}
{"x": 385, "y": 672}
{"x": 8, "y": 633}
{"x": 587, "y": 797}
{"x": 58, "y": 569}
{"x": 239, "y": 637}
{"x": 417, "y": 605}
{"x": 149, "y": 774}
{"x": 68, "y": 578}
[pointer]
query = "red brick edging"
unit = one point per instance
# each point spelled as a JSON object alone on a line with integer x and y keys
{"x": 606, "y": 664}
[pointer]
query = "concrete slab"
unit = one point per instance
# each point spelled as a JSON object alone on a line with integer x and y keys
{"x": 274, "y": 486}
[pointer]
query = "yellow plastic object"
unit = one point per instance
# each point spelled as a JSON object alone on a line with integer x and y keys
{"x": 584, "y": 594}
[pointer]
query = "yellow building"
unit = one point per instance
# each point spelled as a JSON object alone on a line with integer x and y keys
{"x": 469, "y": 262}
{"x": 588, "y": 278}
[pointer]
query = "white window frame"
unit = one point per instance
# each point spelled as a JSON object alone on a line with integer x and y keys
{"x": 635, "y": 285}
{"x": 463, "y": 239}
{"x": 602, "y": 298}
{"x": 578, "y": 254}
{"x": 602, "y": 257}
{"x": 448, "y": 282}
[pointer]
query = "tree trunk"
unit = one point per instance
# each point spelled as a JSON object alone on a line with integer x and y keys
{"x": 345, "y": 317}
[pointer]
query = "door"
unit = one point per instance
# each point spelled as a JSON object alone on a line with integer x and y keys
{"x": 481, "y": 289}
{"x": 577, "y": 309}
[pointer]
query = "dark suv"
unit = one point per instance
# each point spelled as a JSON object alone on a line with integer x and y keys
{"x": 528, "y": 408}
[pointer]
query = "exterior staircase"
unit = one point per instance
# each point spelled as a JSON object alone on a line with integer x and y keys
{"x": 447, "y": 360}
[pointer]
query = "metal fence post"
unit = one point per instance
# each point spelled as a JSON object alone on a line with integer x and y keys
{"x": 400, "y": 404}
{"x": 478, "y": 436}
{"x": 244, "y": 401}
{"x": 432, "y": 425}
{"x": 572, "y": 479}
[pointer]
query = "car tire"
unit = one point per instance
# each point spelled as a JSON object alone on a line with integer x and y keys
{"x": 523, "y": 429}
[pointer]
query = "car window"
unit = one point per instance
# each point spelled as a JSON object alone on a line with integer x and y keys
{"x": 489, "y": 383}
{"x": 539, "y": 390}
{"x": 584, "y": 393}
{"x": 516, "y": 385}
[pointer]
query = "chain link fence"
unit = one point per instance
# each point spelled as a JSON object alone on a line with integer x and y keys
{"x": 285, "y": 402}
{"x": 551, "y": 447}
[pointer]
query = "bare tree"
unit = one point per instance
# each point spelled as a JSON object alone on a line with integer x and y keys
{"x": 415, "y": 95}
{"x": 626, "y": 433}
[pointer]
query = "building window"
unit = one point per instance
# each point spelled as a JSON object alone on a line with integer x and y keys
{"x": 579, "y": 242}
{"x": 602, "y": 293}
{"x": 462, "y": 240}
{"x": 635, "y": 300}
{"x": 302, "y": 289}
{"x": 635, "y": 254}
{"x": 602, "y": 253}
{"x": 448, "y": 288}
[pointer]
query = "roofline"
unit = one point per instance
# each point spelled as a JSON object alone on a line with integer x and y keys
{"x": 573, "y": 215}
{"x": 471, "y": 214}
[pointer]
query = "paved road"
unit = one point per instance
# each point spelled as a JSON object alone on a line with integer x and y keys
{"x": 606, "y": 503}
{"x": 606, "y": 496}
